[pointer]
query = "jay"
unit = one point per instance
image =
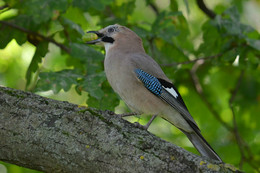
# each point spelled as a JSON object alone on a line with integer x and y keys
{"x": 142, "y": 84}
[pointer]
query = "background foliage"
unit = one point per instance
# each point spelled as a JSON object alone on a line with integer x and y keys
{"x": 211, "y": 53}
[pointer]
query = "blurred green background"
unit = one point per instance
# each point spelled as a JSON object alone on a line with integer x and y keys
{"x": 214, "y": 62}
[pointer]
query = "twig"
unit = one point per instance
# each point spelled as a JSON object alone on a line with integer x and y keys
{"x": 241, "y": 143}
{"x": 151, "y": 45}
{"x": 211, "y": 14}
{"x": 235, "y": 129}
{"x": 200, "y": 91}
{"x": 3, "y": 7}
{"x": 66, "y": 34}
{"x": 192, "y": 61}
{"x": 234, "y": 92}
{"x": 243, "y": 146}
{"x": 63, "y": 47}
{"x": 155, "y": 9}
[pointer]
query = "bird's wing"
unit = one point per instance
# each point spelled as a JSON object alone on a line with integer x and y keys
{"x": 166, "y": 92}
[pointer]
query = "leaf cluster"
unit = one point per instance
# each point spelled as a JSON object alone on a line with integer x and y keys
{"x": 213, "y": 62}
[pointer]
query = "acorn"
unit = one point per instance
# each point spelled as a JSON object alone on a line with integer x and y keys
{"x": 89, "y": 37}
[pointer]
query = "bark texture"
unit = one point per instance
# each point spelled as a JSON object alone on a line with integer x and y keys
{"x": 56, "y": 136}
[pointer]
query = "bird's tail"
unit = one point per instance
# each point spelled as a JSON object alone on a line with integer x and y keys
{"x": 202, "y": 145}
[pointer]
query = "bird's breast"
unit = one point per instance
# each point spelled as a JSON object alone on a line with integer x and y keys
{"x": 121, "y": 76}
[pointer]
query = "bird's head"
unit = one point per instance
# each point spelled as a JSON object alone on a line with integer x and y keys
{"x": 116, "y": 35}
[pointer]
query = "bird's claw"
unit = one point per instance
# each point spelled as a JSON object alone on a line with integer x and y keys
{"x": 138, "y": 125}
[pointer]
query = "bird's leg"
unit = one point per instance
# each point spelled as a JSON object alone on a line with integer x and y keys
{"x": 145, "y": 127}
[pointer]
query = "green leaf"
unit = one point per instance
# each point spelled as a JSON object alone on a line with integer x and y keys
{"x": 233, "y": 14}
{"x": 109, "y": 100}
{"x": 171, "y": 53}
{"x": 87, "y": 4}
{"x": 72, "y": 31}
{"x": 174, "y": 5}
{"x": 163, "y": 28}
{"x": 20, "y": 37}
{"x": 40, "y": 52}
{"x": 182, "y": 26}
{"x": 254, "y": 43}
{"x": 230, "y": 24}
{"x": 187, "y": 6}
{"x": 77, "y": 16}
{"x": 141, "y": 32}
{"x": 253, "y": 60}
{"x": 85, "y": 52}
{"x": 56, "y": 81}
{"x": 212, "y": 40}
{"x": 230, "y": 56}
{"x": 101, "y": 94}
{"x": 168, "y": 37}
{"x": 27, "y": 22}
{"x": 41, "y": 11}
{"x": 249, "y": 60}
{"x": 123, "y": 11}
{"x": 92, "y": 59}
{"x": 232, "y": 28}
{"x": 7, "y": 34}
{"x": 92, "y": 84}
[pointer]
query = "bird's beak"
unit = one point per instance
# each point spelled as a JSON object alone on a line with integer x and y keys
{"x": 99, "y": 39}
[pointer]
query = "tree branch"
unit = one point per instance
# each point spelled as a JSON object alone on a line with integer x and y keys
{"x": 3, "y": 7}
{"x": 211, "y": 14}
{"x": 243, "y": 146}
{"x": 63, "y": 47}
{"x": 55, "y": 136}
{"x": 154, "y": 8}
{"x": 245, "y": 151}
{"x": 200, "y": 92}
{"x": 235, "y": 129}
{"x": 192, "y": 61}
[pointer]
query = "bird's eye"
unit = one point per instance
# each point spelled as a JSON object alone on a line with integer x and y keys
{"x": 110, "y": 30}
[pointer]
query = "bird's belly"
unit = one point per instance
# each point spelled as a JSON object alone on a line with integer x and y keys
{"x": 141, "y": 100}
{"x": 138, "y": 98}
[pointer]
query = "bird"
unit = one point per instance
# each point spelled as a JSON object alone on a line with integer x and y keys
{"x": 141, "y": 83}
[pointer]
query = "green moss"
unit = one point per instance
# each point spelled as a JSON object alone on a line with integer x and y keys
{"x": 65, "y": 133}
{"x": 95, "y": 114}
{"x": 15, "y": 133}
{"x": 231, "y": 167}
{"x": 140, "y": 142}
{"x": 83, "y": 111}
{"x": 213, "y": 167}
{"x": 14, "y": 93}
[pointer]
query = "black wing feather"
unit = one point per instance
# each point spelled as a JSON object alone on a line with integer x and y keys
{"x": 168, "y": 98}
{"x": 170, "y": 85}
{"x": 159, "y": 87}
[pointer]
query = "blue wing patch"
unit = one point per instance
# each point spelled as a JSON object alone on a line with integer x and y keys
{"x": 157, "y": 85}
{"x": 149, "y": 81}
{"x": 160, "y": 88}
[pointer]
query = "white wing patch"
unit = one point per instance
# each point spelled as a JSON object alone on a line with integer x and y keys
{"x": 172, "y": 92}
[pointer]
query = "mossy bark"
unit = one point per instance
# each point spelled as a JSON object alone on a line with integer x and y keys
{"x": 56, "y": 136}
